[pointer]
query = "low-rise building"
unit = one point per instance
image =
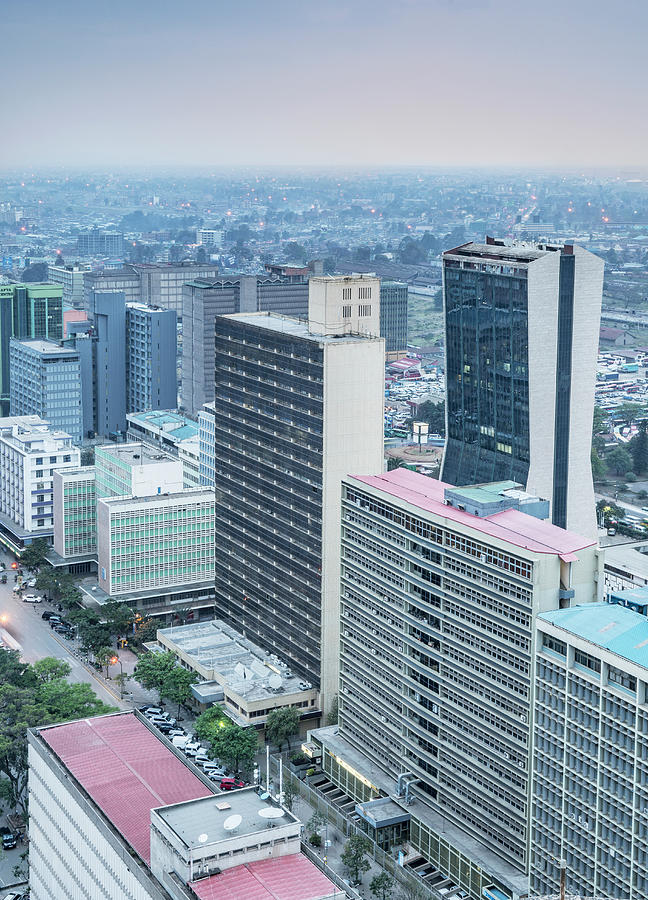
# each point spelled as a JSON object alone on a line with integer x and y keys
{"x": 136, "y": 470}
{"x": 248, "y": 681}
{"x": 163, "y": 428}
{"x": 117, "y": 812}
{"x": 70, "y": 277}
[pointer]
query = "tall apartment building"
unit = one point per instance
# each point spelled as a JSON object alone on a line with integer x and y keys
{"x": 590, "y": 798}
{"x": 393, "y": 318}
{"x": 46, "y": 382}
{"x": 522, "y": 327}
{"x": 156, "y": 541}
{"x": 100, "y": 243}
{"x": 151, "y": 342}
{"x": 70, "y": 277}
{"x": 153, "y": 284}
{"x": 440, "y": 589}
{"x": 26, "y": 311}
{"x": 75, "y": 512}
{"x": 204, "y": 299}
{"x": 297, "y": 405}
{"x": 29, "y": 454}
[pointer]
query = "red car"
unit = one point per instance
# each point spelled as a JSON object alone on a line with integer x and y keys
{"x": 231, "y": 784}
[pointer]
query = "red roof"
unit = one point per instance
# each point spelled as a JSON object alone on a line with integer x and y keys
{"x": 511, "y": 525}
{"x": 126, "y": 770}
{"x": 292, "y": 877}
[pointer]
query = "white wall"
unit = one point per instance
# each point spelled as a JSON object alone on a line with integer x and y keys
{"x": 327, "y": 299}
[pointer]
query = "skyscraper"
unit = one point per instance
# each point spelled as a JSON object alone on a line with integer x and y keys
{"x": 522, "y": 326}
{"x": 297, "y": 405}
{"x": 109, "y": 362}
{"x": 151, "y": 342}
{"x": 393, "y": 317}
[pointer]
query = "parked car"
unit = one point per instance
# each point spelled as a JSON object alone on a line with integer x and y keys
{"x": 64, "y": 630}
{"x": 47, "y": 615}
{"x": 192, "y": 748}
{"x": 31, "y": 583}
{"x": 9, "y": 838}
{"x": 3, "y": 579}
{"x": 231, "y": 784}
{"x": 152, "y": 710}
{"x": 54, "y": 620}
{"x": 32, "y": 598}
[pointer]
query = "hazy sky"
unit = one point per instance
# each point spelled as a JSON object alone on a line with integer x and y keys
{"x": 361, "y": 82}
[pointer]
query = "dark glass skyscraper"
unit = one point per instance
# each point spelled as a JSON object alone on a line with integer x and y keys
{"x": 521, "y": 342}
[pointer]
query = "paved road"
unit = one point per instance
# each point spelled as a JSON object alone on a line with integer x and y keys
{"x": 37, "y": 639}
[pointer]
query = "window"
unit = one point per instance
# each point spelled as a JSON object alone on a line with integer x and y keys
{"x": 364, "y": 293}
{"x": 584, "y": 659}
{"x": 346, "y": 312}
{"x": 346, "y": 293}
{"x": 616, "y": 676}
{"x": 364, "y": 309}
{"x": 552, "y": 643}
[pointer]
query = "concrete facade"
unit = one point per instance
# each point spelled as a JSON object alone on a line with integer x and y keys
{"x": 75, "y": 511}
{"x": 151, "y": 349}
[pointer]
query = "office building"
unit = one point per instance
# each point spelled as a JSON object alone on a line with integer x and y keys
{"x": 164, "y": 428}
{"x": 204, "y": 299}
{"x": 189, "y": 456}
{"x": 157, "y": 541}
{"x": 71, "y": 280}
{"x": 75, "y": 513}
{"x": 590, "y": 797}
{"x": 153, "y": 284}
{"x": 440, "y": 589}
{"x": 151, "y": 346}
{"x": 46, "y": 382}
{"x": 209, "y": 237}
{"x": 116, "y": 812}
{"x": 206, "y": 449}
{"x": 26, "y": 311}
{"x": 109, "y": 363}
{"x": 136, "y": 470}
{"x": 522, "y": 325}
{"x": 100, "y": 243}
{"x": 297, "y": 406}
{"x": 393, "y": 318}
{"x": 247, "y": 681}
{"x": 29, "y": 453}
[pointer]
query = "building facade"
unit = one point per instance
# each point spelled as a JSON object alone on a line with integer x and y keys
{"x": 159, "y": 541}
{"x": 26, "y": 311}
{"x": 522, "y": 328}
{"x": 393, "y": 318}
{"x": 590, "y": 798}
{"x": 439, "y": 592}
{"x": 75, "y": 512}
{"x": 151, "y": 347}
{"x": 109, "y": 363}
{"x": 136, "y": 470}
{"x": 46, "y": 382}
{"x": 71, "y": 280}
{"x": 152, "y": 284}
{"x": 29, "y": 454}
{"x": 100, "y": 243}
{"x": 206, "y": 446}
{"x": 294, "y": 410}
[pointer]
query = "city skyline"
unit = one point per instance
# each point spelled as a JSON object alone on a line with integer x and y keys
{"x": 492, "y": 83}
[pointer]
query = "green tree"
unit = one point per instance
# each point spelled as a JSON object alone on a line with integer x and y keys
{"x": 236, "y": 747}
{"x": 47, "y": 582}
{"x": 33, "y": 556}
{"x": 65, "y": 701}
{"x": 153, "y": 669}
{"x": 290, "y": 795}
{"x": 118, "y": 617}
{"x": 145, "y": 632}
{"x": 281, "y": 724}
{"x": 295, "y": 252}
{"x": 598, "y": 466}
{"x": 381, "y": 886}
{"x": 354, "y": 857}
{"x": 395, "y": 462}
{"x": 176, "y": 687}
{"x": 626, "y": 413}
{"x": 50, "y": 669}
{"x": 334, "y": 711}
{"x": 208, "y": 723}
{"x": 619, "y": 461}
{"x": 102, "y": 656}
{"x": 88, "y": 456}
{"x": 317, "y": 820}
{"x": 93, "y": 637}
{"x": 433, "y": 414}
{"x": 34, "y": 273}
{"x": 639, "y": 449}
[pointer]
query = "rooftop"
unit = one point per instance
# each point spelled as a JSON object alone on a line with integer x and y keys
{"x": 294, "y": 327}
{"x": 176, "y": 498}
{"x": 610, "y": 626}
{"x": 166, "y": 421}
{"x": 126, "y": 770}
{"x": 136, "y": 454}
{"x": 519, "y": 253}
{"x": 46, "y": 347}
{"x": 208, "y": 815}
{"x": 292, "y": 877}
{"x": 511, "y": 525}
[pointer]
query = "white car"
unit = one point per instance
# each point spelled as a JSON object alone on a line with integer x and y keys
{"x": 32, "y": 598}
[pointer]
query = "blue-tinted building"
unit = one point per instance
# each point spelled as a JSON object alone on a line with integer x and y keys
{"x": 109, "y": 362}
{"x": 46, "y": 382}
{"x": 393, "y": 317}
{"x": 151, "y": 342}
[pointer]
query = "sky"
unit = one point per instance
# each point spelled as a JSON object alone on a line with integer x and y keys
{"x": 308, "y": 82}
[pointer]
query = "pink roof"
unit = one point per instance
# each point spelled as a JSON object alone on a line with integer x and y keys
{"x": 126, "y": 770}
{"x": 292, "y": 877}
{"x": 511, "y": 525}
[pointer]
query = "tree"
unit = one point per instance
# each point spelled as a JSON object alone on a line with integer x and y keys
{"x": 639, "y": 448}
{"x": 201, "y": 255}
{"x": 434, "y": 415}
{"x": 381, "y": 886}
{"x": 333, "y": 713}
{"x": 619, "y": 461}
{"x": 93, "y": 637}
{"x": 102, "y": 656}
{"x": 281, "y": 724}
{"x": 317, "y": 820}
{"x": 118, "y": 617}
{"x": 34, "y": 273}
{"x": 296, "y": 252}
{"x": 626, "y": 413}
{"x": 598, "y": 466}
{"x": 354, "y": 857}
{"x": 177, "y": 686}
{"x": 51, "y": 669}
{"x": 145, "y": 632}
{"x": 236, "y": 746}
{"x": 153, "y": 669}
{"x": 208, "y": 723}
{"x": 289, "y": 795}
{"x": 65, "y": 701}
{"x": 87, "y": 456}
{"x": 395, "y": 462}
{"x": 34, "y": 555}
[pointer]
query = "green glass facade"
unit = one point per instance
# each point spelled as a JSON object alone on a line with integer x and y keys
{"x": 113, "y": 476}
{"x": 79, "y": 513}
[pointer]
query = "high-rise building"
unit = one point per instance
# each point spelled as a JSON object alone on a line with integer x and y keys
{"x": 204, "y": 299}
{"x": 206, "y": 446}
{"x": 151, "y": 342}
{"x": 71, "y": 280}
{"x": 46, "y": 382}
{"x": 100, "y": 243}
{"x": 522, "y": 325}
{"x": 440, "y": 589}
{"x": 154, "y": 284}
{"x": 75, "y": 512}
{"x": 109, "y": 362}
{"x": 297, "y": 406}
{"x": 393, "y": 318}
{"x": 29, "y": 453}
{"x": 590, "y": 798}
{"x": 26, "y": 311}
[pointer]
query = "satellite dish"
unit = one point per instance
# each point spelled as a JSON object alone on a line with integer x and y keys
{"x": 232, "y": 822}
{"x": 274, "y": 681}
{"x": 202, "y": 838}
{"x": 271, "y": 812}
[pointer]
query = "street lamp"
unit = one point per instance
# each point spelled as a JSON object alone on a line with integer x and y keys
{"x": 113, "y": 661}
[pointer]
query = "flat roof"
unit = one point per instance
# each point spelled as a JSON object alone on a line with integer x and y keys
{"x": 168, "y": 421}
{"x": 518, "y": 253}
{"x": 137, "y": 453}
{"x": 49, "y": 348}
{"x": 292, "y": 877}
{"x": 207, "y": 815}
{"x": 126, "y": 770}
{"x": 510, "y": 525}
{"x": 295, "y": 327}
{"x": 176, "y": 498}
{"x": 609, "y": 626}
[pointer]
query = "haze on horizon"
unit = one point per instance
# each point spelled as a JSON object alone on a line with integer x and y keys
{"x": 355, "y": 83}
